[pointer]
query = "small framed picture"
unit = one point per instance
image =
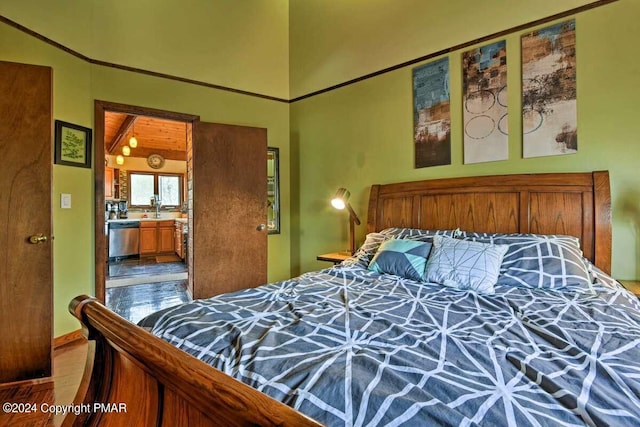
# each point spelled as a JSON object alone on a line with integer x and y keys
{"x": 73, "y": 145}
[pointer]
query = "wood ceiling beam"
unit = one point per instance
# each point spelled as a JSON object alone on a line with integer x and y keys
{"x": 128, "y": 121}
{"x": 167, "y": 154}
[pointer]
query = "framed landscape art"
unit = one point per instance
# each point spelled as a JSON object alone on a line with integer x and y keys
{"x": 72, "y": 145}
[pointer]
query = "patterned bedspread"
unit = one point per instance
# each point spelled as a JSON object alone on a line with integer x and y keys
{"x": 348, "y": 346}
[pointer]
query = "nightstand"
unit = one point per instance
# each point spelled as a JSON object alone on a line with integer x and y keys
{"x": 632, "y": 285}
{"x": 334, "y": 257}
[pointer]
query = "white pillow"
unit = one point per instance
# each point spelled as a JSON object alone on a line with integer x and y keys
{"x": 465, "y": 265}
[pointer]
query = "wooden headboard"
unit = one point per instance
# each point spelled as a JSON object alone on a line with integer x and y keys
{"x": 576, "y": 204}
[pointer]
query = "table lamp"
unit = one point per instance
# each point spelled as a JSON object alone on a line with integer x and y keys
{"x": 341, "y": 201}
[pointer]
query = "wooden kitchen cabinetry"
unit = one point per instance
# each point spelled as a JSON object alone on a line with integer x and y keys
{"x": 148, "y": 237}
{"x": 178, "y": 237}
{"x": 165, "y": 236}
{"x": 111, "y": 185}
{"x": 156, "y": 237}
{"x": 108, "y": 183}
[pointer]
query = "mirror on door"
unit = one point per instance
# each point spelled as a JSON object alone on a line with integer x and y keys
{"x": 273, "y": 190}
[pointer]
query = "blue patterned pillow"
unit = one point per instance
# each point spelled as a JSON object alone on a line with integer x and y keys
{"x": 401, "y": 257}
{"x": 365, "y": 253}
{"x": 540, "y": 261}
{"x": 464, "y": 264}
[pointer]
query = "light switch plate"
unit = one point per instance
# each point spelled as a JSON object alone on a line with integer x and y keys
{"x": 65, "y": 201}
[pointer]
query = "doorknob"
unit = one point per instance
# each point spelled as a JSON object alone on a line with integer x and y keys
{"x": 261, "y": 227}
{"x": 37, "y": 239}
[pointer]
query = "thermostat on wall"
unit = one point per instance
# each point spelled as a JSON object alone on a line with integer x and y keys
{"x": 65, "y": 201}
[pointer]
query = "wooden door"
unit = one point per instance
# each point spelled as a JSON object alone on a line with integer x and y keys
{"x": 229, "y": 214}
{"x": 26, "y": 281}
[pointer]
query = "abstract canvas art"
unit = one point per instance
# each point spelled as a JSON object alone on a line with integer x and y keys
{"x": 549, "y": 113}
{"x": 431, "y": 114}
{"x": 485, "y": 103}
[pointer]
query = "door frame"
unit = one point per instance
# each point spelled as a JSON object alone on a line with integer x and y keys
{"x": 100, "y": 108}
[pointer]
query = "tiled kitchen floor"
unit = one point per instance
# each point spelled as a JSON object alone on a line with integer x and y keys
{"x": 137, "y": 301}
{"x": 144, "y": 266}
{"x": 150, "y": 292}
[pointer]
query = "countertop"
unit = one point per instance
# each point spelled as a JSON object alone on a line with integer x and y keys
{"x": 182, "y": 220}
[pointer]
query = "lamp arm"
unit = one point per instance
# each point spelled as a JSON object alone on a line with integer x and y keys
{"x": 352, "y": 214}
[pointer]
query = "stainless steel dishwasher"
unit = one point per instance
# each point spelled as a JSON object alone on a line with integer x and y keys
{"x": 124, "y": 238}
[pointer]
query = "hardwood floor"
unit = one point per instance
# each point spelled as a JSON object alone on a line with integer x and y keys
{"x": 32, "y": 401}
{"x": 137, "y": 301}
{"x": 136, "y": 288}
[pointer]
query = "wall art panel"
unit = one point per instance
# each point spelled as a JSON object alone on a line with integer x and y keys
{"x": 549, "y": 113}
{"x": 431, "y": 112}
{"x": 485, "y": 103}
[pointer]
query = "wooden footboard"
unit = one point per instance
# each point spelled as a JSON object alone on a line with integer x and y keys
{"x": 133, "y": 378}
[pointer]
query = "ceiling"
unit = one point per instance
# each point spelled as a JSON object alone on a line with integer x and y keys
{"x": 155, "y": 136}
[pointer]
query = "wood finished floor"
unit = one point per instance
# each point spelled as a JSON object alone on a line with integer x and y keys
{"x": 133, "y": 302}
{"x": 68, "y": 368}
{"x": 137, "y": 301}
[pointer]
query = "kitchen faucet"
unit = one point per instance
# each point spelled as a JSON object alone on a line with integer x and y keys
{"x": 156, "y": 202}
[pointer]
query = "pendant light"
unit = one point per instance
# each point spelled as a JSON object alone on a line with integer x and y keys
{"x": 126, "y": 150}
{"x": 119, "y": 159}
{"x": 133, "y": 142}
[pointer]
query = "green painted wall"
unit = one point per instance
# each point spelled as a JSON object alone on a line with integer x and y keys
{"x": 239, "y": 44}
{"x": 362, "y": 134}
{"x": 76, "y": 85}
{"x": 335, "y": 41}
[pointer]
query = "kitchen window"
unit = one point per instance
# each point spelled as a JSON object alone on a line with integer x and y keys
{"x": 144, "y": 185}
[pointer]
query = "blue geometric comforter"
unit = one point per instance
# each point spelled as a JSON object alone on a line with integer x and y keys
{"x": 347, "y": 346}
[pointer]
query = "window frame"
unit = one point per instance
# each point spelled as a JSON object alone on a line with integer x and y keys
{"x": 156, "y": 184}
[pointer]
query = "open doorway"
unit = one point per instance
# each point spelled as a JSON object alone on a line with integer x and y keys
{"x": 227, "y": 203}
{"x": 142, "y": 256}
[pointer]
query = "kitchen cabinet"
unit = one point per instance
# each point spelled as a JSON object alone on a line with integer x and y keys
{"x": 148, "y": 238}
{"x": 165, "y": 236}
{"x": 108, "y": 183}
{"x": 156, "y": 237}
{"x": 178, "y": 238}
{"x": 111, "y": 185}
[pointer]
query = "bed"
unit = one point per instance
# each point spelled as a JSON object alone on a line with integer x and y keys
{"x": 527, "y": 328}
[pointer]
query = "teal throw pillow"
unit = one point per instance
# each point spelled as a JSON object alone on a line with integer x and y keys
{"x": 404, "y": 258}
